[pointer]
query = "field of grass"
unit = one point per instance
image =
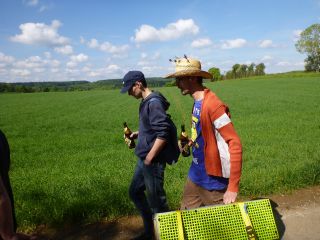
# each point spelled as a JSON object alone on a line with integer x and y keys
{"x": 70, "y": 164}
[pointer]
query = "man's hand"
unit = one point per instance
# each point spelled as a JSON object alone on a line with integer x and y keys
{"x": 134, "y": 135}
{"x": 126, "y": 140}
{"x": 229, "y": 197}
{"x": 147, "y": 161}
{"x": 156, "y": 148}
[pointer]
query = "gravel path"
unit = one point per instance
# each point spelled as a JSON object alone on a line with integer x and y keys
{"x": 297, "y": 216}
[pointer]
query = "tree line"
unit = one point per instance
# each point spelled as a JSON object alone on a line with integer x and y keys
{"x": 66, "y": 86}
{"x": 239, "y": 71}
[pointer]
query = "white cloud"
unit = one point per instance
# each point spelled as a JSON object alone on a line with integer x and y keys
{"x": 33, "y": 68}
{"x": 266, "y": 58}
{"x": 148, "y": 57}
{"x": 47, "y": 55}
{"x": 36, "y": 3}
{"x": 283, "y": 64}
{"x": 266, "y": 44}
{"x": 20, "y": 72}
{"x": 43, "y": 8}
{"x": 93, "y": 43}
{"x": 112, "y": 68}
{"x": 147, "y": 60}
{"x": 6, "y": 59}
{"x": 300, "y": 64}
{"x": 40, "y": 34}
{"x": 202, "y": 42}
{"x": 109, "y": 71}
{"x": 175, "y": 30}
{"x": 236, "y": 43}
{"x": 296, "y": 34}
{"x": 30, "y": 62}
{"x": 95, "y": 74}
{"x": 144, "y": 55}
{"x": 71, "y": 64}
{"x": 107, "y": 46}
{"x": 3, "y": 71}
{"x": 39, "y": 70}
{"x": 85, "y": 69}
{"x": 31, "y": 2}
{"x": 54, "y": 63}
{"x": 65, "y": 50}
{"x": 154, "y": 70}
{"x": 156, "y": 56}
{"x": 79, "y": 58}
{"x": 143, "y": 62}
{"x": 75, "y": 60}
{"x": 290, "y": 64}
{"x": 72, "y": 71}
{"x": 82, "y": 40}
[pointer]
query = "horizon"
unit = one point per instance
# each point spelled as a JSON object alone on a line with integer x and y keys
{"x": 44, "y": 40}
{"x": 166, "y": 79}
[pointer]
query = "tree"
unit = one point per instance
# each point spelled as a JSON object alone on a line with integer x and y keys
{"x": 235, "y": 70}
{"x": 251, "y": 69}
{"x": 229, "y": 75}
{"x": 243, "y": 70}
{"x": 260, "y": 69}
{"x": 215, "y": 73}
{"x": 312, "y": 64}
{"x": 309, "y": 43}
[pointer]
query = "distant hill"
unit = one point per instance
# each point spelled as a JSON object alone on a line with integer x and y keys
{"x": 28, "y": 87}
{"x": 107, "y": 84}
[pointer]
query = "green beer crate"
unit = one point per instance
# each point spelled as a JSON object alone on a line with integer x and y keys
{"x": 246, "y": 220}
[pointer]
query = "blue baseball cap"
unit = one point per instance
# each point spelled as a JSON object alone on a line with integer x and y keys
{"x": 130, "y": 79}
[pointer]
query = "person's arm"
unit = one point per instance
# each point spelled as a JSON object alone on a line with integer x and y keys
{"x": 6, "y": 220}
{"x": 226, "y": 129}
{"x": 160, "y": 125}
{"x": 156, "y": 148}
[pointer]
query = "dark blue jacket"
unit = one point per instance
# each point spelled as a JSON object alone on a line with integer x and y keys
{"x": 154, "y": 123}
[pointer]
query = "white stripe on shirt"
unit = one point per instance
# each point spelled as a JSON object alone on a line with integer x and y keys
{"x": 224, "y": 154}
{"x": 222, "y": 121}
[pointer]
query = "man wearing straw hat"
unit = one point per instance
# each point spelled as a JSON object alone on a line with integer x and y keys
{"x": 214, "y": 174}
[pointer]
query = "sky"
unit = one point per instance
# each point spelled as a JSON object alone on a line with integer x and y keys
{"x": 65, "y": 40}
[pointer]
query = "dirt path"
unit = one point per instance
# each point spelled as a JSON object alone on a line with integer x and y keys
{"x": 297, "y": 216}
{"x": 300, "y": 214}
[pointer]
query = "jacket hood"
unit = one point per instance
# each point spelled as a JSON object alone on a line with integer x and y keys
{"x": 159, "y": 96}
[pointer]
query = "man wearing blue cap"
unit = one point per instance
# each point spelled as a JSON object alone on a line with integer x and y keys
{"x": 156, "y": 146}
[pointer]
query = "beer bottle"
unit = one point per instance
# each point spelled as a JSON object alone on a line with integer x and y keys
{"x": 127, "y": 132}
{"x": 184, "y": 142}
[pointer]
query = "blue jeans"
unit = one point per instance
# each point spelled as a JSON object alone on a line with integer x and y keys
{"x": 150, "y": 179}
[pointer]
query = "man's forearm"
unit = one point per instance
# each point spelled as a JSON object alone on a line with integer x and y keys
{"x": 155, "y": 150}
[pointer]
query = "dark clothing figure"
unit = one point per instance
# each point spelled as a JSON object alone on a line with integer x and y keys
{"x": 155, "y": 148}
{"x": 153, "y": 123}
{"x": 149, "y": 178}
{"x": 4, "y": 171}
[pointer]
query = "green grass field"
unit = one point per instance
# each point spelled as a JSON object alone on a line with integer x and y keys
{"x": 70, "y": 164}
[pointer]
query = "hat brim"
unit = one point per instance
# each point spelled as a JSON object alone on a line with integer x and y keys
{"x": 190, "y": 73}
{"x": 125, "y": 89}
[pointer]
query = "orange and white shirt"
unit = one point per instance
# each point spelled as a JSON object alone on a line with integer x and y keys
{"x": 222, "y": 149}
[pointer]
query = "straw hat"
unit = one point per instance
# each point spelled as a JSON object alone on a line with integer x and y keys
{"x": 186, "y": 67}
